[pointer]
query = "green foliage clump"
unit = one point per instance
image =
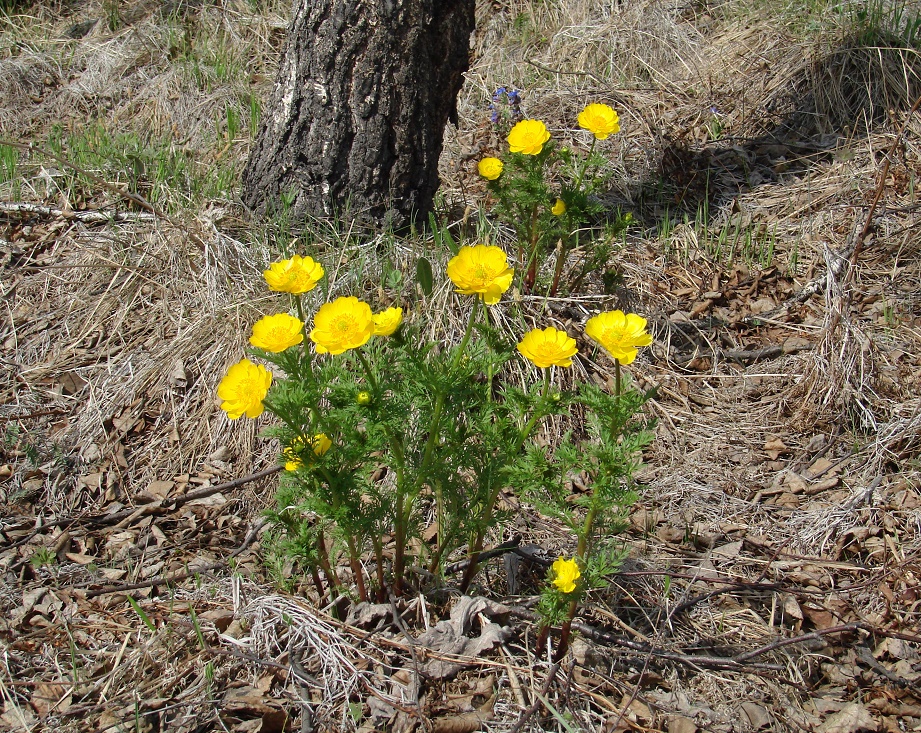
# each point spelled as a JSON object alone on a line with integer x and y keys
{"x": 389, "y": 436}
{"x": 546, "y": 193}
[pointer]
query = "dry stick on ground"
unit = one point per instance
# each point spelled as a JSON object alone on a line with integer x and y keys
{"x": 779, "y": 643}
{"x": 692, "y": 660}
{"x": 853, "y": 247}
{"x": 757, "y": 584}
{"x": 139, "y": 200}
{"x": 128, "y": 516}
{"x": 179, "y": 577}
{"x": 86, "y": 217}
{"x": 538, "y": 699}
{"x": 884, "y": 172}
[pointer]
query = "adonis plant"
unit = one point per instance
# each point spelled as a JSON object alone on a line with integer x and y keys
{"x": 546, "y": 193}
{"x": 395, "y": 449}
{"x": 608, "y": 458}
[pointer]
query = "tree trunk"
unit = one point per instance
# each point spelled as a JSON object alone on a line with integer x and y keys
{"x": 356, "y": 120}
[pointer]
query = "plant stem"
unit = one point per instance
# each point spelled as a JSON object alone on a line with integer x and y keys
{"x": 466, "y": 339}
{"x": 369, "y": 373}
{"x": 470, "y": 572}
{"x": 379, "y": 559}
{"x": 404, "y": 508}
{"x": 396, "y": 447}
{"x": 531, "y": 276}
{"x": 300, "y": 314}
{"x": 323, "y": 556}
{"x": 356, "y": 569}
{"x": 581, "y": 552}
{"x": 591, "y": 150}
{"x": 318, "y": 584}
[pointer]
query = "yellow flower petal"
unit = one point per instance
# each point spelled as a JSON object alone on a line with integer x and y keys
{"x": 528, "y": 137}
{"x": 243, "y": 388}
{"x": 559, "y": 208}
{"x": 481, "y": 270}
{"x": 343, "y": 324}
{"x": 600, "y": 120}
{"x": 319, "y": 443}
{"x": 565, "y": 574}
{"x": 548, "y": 347}
{"x": 387, "y": 321}
{"x": 277, "y": 333}
{"x": 619, "y": 334}
{"x": 297, "y": 275}
{"x": 490, "y": 168}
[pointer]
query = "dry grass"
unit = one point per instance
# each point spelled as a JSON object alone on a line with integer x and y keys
{"x": 114, "y": 336}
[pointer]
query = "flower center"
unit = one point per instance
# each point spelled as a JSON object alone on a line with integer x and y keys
{"x": 344, "y": 324}
{"x": 613, "y": 336}
{"x": 483, "y": 273}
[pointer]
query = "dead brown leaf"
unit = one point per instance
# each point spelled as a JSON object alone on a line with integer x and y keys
{"x": 467, "y": 722}
{"x": 852, "y": 718}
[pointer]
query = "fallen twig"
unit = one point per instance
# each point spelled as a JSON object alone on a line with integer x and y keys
{"x": 179, "y": 577}
{"x": 779, "y": 643}
{"x": 694, "y": 661}
{"x": 129, "y": 516}
{"x": 741, "y": 356}
{"x": 538, "y": 699}
{"x": 85, "y": 217}
{"x": 139, "y": 200}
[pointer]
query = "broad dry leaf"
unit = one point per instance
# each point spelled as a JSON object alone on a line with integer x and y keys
{"x": 466, "y": 723}
{"x": 852, "y": 718}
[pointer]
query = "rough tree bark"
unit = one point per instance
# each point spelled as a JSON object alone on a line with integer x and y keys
{"x": 356, "y": 120}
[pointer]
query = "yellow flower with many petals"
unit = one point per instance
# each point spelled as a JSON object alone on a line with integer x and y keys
{"x": 565, "y": 574}
{"x": 619, "y": 334}
{"x": 277, "y": 333}
{"x": 600, "y": 120}
{"x": 297, "y": 275}
{"x": 490, "y": 168}
{"x": 559, "y": 208}
{"x": 344, "y": 324}
{"x": 528, "y": 137}
{"x": 320, "y": 443}
{"x": 548, "y": 347}
{"x": 243, "y": 388}
{"x": 481, "y": 270}
{"x": 387, "y": 321}
{"x": 363, "y": 398}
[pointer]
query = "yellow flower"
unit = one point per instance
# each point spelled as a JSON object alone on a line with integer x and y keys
{"x": 559, "y": 208}
{"x": 490, "y": 168}
{"x": 320, "y": 444}
{"x": 243, "y": 388}
{"x": 297, "y": 275}
{"x": 344, "y": 324}
{"x": 481, "y": 270}
{"x": 600, "y": 120}
{"x": 619, "y": 334}
{"x": 565, "y": 574}
{"x": 547, "y": 348}
{"x": 387, "y": 321}
{"x": 277, "y": 333}
{"x": 363, "y": 398}
{"x": 528, "y": 137}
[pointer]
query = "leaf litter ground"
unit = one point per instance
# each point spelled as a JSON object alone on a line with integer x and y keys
{"x": 772, "y": 582}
